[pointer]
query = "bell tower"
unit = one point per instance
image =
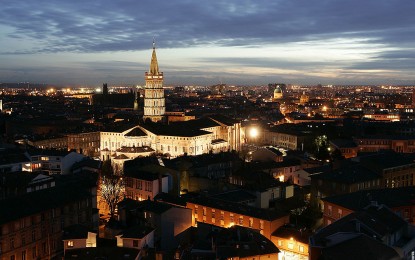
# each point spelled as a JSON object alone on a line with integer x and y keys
{"x": 154, "y": 102}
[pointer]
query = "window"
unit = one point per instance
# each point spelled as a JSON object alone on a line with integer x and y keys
{"x": 12, "y": 257}
{"x": 329, "y": 210}
{"x": 213, "y": 213}
{"x": 301, "y": 249}
{"x": 34, "y": 252}
{"x": 290, "y": 245}
{"x": 340, "y": 212}
{"x": 250, "y": 222}
{"x": 241, "y": 220}
{"x": 279, "y": 242}
{"x": 135, "y": 243}
{"x": 24, "y": 255}
{"x": 12, "y": 243}
{"x": 204, "y": 211}
{"x": 33, "y": 235}
{"x": 70, "y": 243}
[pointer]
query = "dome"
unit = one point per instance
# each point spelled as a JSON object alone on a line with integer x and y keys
{"x": 277, "y": 90}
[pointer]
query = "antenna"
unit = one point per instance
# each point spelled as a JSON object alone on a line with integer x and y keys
{"x": 154, "y": 42}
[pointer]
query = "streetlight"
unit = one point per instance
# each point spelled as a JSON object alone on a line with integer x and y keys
{"x": 253, "y": 132}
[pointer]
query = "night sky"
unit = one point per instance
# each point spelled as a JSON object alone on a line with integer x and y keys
{"x": 82, "y": 42}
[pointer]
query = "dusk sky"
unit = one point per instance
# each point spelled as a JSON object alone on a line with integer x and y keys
{"x": 69, "y": 42}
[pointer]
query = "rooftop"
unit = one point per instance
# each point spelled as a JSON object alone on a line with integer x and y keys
{"x": 393, "y": 198}
{"x": 265, "y": 214}
{"x": 38, "y": 201}
{"x": 374, "y": 221}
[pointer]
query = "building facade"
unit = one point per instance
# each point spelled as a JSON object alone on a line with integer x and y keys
{"x": 227, "y": 214}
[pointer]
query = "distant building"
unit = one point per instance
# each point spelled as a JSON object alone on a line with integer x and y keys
{"x": 117, "y": 100}
{"x": 278, "y": 94}
{"x": 304, "y": 99}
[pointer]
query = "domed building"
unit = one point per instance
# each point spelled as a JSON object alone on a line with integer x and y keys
{"x": 277, "y": 93}
{"x": 304, "y": 99}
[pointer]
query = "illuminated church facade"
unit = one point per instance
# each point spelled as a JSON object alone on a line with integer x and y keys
{"x": 213, "y": 133}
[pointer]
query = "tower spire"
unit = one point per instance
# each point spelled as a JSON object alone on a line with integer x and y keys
{"x": 154, "y": 67}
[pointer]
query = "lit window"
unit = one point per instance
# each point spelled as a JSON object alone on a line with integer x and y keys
{"x": 70, "y": 243}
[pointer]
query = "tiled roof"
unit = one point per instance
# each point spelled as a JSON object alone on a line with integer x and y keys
{"x": 119, "y": 127}
{"x": 396, "y": 197}
{"x": 224, "y": 119}
{"x": 348, "y": 174}
{"x": 265, "y": 214}
{"x": 235, "y": 196}
{"x": 136, "y": 132}
{"x": 173, "y": 130}
{"x": 374, "y": 221}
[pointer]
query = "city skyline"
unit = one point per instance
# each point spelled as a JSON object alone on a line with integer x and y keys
{"x": 233, "y": 42}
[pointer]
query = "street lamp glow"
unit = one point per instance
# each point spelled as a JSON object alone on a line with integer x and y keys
{"x": 253, "y": 132}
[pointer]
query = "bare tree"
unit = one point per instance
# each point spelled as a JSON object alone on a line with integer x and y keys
{"x": 112, "y": 187}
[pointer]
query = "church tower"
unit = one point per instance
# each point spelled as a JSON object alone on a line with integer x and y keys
{"x": 154, "y": 103}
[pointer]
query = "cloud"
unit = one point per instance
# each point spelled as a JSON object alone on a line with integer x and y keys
{"x": 86, "y": 26}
